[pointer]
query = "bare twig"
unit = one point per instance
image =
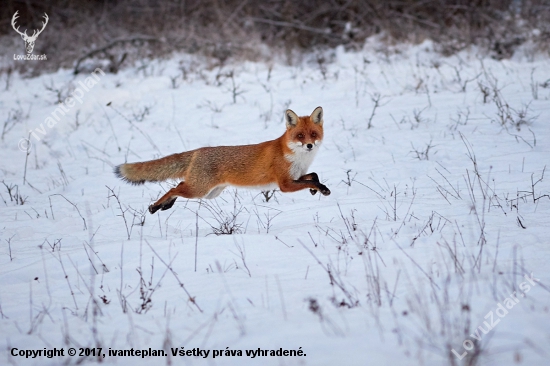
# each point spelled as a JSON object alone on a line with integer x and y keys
{"x": 190, "y": 298}
{"x": 74, "y": 205}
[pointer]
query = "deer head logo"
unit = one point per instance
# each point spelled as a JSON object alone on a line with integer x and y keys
{"x": 29, "y": 40}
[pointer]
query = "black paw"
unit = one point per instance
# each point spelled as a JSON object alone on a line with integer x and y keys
{"x": 164, "y": 206}
{"x": 153, "y": 209}
{"x": 312, "y": 191}
{"x": 168, "y": 205}
{"x": 324, "y": 190}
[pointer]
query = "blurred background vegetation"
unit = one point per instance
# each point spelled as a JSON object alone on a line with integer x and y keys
{"x": 119, "y": 32}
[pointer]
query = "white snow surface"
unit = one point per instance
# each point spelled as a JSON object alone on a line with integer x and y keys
{"x": 437, "y": 212}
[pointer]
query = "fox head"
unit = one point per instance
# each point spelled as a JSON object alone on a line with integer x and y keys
{"x": 305, "y": 134}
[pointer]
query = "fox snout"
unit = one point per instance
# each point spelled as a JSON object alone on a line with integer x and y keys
{"x": 311, "y": 146}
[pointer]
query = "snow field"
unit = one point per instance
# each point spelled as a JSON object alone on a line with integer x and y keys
{"x": 437, "y": 212}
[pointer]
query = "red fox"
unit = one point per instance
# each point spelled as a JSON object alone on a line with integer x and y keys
{"x": 206, "y": 171}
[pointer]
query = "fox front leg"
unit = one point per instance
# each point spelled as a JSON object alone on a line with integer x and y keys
{"x": 298, "y": 184}
{"x": 313, "y": 177}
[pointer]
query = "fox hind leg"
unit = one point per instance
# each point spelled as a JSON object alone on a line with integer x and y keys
{"x": 184, "y": 189}
{"x": 164, "y": 206}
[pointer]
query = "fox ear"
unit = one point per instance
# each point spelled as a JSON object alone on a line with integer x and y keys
{"x": 291, "y": 119}
{"x": 317, "y": 116}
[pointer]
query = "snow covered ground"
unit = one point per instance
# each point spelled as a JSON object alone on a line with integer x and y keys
{"x": 439, "y": 209}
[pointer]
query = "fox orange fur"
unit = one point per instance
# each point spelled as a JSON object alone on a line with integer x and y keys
{"x": 206, "y": 171}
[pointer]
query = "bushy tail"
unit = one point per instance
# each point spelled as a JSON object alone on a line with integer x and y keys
{"x": 169, "y": 167}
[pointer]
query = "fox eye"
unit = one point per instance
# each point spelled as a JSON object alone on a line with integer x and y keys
{"x": 300, "y": 135}
{"x": 314, "y": 134}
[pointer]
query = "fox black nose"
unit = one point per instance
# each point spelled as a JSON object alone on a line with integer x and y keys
{"x": 309, "y": 146}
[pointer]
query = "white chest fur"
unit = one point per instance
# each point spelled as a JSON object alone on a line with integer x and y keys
{"x": 300, "y": 161}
